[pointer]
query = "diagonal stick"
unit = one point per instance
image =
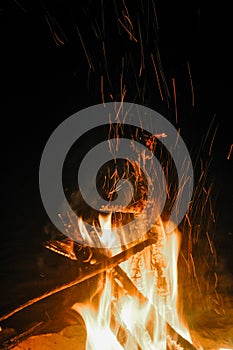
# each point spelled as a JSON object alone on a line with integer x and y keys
{"x": 94, "y": 270}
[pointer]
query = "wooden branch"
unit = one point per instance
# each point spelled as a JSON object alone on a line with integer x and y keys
{"x": 93, "y": 270}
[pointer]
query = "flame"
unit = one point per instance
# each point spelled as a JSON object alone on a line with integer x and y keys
{"x": 109, "y": 237}
{"x": 99, "y": 334}
{"x": 119, "y": 318}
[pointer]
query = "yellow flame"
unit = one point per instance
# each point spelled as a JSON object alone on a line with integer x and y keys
{"x": 109, "y": 237}
{"x": 99, "y": 334}
{"x": 83, "y": 231}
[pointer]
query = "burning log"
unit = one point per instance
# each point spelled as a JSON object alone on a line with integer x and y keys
{"x": 112, "y": 264}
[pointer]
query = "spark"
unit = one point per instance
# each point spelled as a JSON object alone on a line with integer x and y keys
{"x": 117, "y": 15}
{"x": 212, "y": 212}
{"x": 123, "y": 1}
{"x": 194, "y": 272}
{"x": 191, "y": 83}
{"x": 85, "y": 50}
{"x": 56, "y": 39}
{"x": 210, "y": 243}
{"x": 162, "y": 73}
{"x": 54, "y": 27}
{"x": 155, "y": 15}
{"x": 177, "y": 138}
{"x": 188, "y": 220}
{"x": 157, "y": 76}
{"x": 175, "y": 102}
{"x": 142, "y": 52}
{"x": 129, "y": 20}
{"x": 95, "y": 32}
{"x": 121, "y": 77}
{"x": 204, "y": 190}
{"x": 230, "y": 151}
{"x": 20, "y": 6}
{"x": 207, "y": 135}
{"x": 102, "y": 88}
{"x": 128, "y": 31}
{"x": 106, "y": 63}
{"x": 212, "y": 141}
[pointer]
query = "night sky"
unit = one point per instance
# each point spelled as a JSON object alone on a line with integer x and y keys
{"x": 45, "y": 77}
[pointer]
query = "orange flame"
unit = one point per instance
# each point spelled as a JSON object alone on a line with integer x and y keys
{"x": 121, "y": 320}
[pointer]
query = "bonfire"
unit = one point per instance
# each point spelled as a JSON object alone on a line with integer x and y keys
{"x": 136, "y": 245}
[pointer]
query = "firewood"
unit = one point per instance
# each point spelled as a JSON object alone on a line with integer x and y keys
{"x": 108, "y": 264}
{"x": 92, "y": 271}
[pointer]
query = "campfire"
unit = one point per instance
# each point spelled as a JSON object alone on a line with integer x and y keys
{"x": 136, "y": 306}
{"x": 136, "y": 303}
{"x": 126, "y": 222}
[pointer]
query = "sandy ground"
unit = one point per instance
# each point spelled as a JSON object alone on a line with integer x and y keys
{"x": 70, "y": 338}
{"x": 211, "y": 331}
{"x": 73, "y": 338}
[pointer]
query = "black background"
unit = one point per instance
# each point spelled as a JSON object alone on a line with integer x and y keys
{"x": 42, "y": 83}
